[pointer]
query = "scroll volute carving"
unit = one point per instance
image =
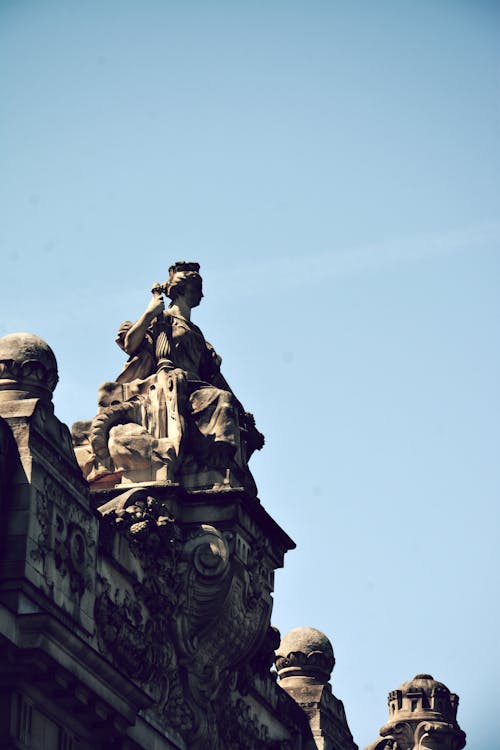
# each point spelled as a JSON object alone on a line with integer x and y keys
{"x": 399, "y": 736}
{"x": 215, "y": 613}
{"x": 205, "y": 565}
{"x": 216, "y": 627}
{"x": 220, "y": 608}
{"x": 426, "y": 735}
{"x": 210, "y": 580}
{"x": 437, "y": 735}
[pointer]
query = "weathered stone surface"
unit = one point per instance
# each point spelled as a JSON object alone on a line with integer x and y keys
{"x": 198, "y": 607}
{"x": 136, "y": 577}
{"x": 305, "y": 652}
{"x": 304, "y": 662}
{"x": 170, "y": 415}
{"x": 28, "y": 367}
{"x": 135, "y": 615}
{"x": 50, "y": 537}
{"x": 422, "y": 716}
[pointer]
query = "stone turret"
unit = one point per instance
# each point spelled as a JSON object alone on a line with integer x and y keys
{"x": 422, "y": 714}
{"x": 304, "y": 662}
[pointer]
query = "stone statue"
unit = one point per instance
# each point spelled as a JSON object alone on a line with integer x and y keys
{"x": 170, "y": 414}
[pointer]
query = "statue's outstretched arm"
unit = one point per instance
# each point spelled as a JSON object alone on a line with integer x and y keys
{"x": 136, "y": 334}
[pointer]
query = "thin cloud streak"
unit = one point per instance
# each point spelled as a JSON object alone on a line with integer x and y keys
{"x": 289, "y": 272}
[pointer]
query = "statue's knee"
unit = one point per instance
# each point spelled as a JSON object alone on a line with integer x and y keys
{"x": 226, "y": 398}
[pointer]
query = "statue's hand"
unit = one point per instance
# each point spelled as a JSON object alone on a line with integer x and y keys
{"x": 156, "y": 306}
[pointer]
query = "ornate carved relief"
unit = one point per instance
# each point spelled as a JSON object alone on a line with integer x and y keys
{"x": 189, "y": 616}
{"x": 61, "y": 463}
{"x": 43, "y": 514}
{"x": 244, "y": 730}
{"x": 258, "y": 573}
{"x": 426, "y": 735}
{"x": 134, "y": 623}
{"x": 401, "y": 735}
{"x": 261, "y": 662}
{"x": 66, "y": 536}
{"x": 133, "y": 640}
{"x": 71, "y": 555}
{"x": 422, "y": 716}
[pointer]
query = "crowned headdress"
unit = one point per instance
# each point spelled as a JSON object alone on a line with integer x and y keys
{"x": 180, "y": 272}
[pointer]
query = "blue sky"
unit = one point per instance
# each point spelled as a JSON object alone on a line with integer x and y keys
{"x": 334, "y": 167}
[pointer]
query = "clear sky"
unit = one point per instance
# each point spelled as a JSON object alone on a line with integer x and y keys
{"x": 334, "y": 167}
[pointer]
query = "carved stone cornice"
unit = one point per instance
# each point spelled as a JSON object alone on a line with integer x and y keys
{"x": 193, "y": 602}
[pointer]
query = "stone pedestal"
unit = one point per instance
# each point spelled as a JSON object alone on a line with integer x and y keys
{"x": 189, "y": 576}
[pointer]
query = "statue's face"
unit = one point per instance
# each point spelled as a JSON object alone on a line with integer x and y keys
{"x": 193, "y": 293}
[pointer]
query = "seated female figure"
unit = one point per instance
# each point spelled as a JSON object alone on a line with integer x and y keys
{"x": 167, "y": 339}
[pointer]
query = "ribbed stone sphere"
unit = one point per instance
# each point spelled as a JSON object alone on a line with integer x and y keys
{"x": 305, "y": 652}
{"x": 27, "y": 365}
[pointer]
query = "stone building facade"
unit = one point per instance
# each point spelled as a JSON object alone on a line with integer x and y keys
{"x": 137, "y": 566}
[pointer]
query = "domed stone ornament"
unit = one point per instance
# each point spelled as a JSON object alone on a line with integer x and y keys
{"x": 305, "y": 652}
{"x": 423, "y": 714}
{"x": 304, "y": 661}
{"x": 28, "y": 367}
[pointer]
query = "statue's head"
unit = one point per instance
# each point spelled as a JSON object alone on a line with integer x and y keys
{"x": 184, "y": 279}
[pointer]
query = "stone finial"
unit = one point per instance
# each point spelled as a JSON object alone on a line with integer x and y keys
{"x": 307, "y": 653}
{"x": 305, "y": 661}
{"x": 422, "y": 695}
{"x": 28, "y": 367}
{"x": 421, "y": 706}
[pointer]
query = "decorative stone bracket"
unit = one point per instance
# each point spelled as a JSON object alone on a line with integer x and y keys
{"x": 193, "y": 604}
